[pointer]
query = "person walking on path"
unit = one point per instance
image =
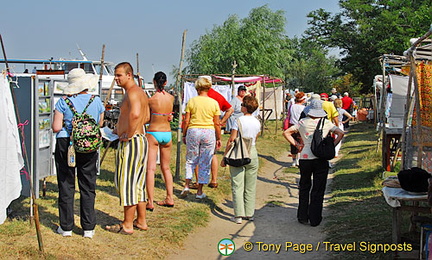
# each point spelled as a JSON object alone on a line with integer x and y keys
{"x": 201, "y": 134}
{"x": 311, "y": 193}
{"x": 159, "y": 138}
{"x": 131, "y": 156}
{"x": 225, "y": 107}
{"x": 347, "y": 104}
{"x": 243, "y": 179}
{"x": 86, "y": 163}
{"x": 330, "y": 109}
{"x": 342, "y": 113}
{"x": 236, "y": 104}
{"x": 294, "y": 113}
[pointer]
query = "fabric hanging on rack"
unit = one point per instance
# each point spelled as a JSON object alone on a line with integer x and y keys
{"x": 424, "y": 78}
{"x": 11, "y": 160}
{"x": 189, "y": 92}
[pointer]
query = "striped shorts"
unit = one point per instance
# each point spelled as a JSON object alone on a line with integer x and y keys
{"x": 130, "y": 176}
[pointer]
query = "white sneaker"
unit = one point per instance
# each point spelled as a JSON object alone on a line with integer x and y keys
{"x": 236, "y": 220}
{"x": 184, "y": 193}
{"x": 202, "y": 196}
{"x": 89, "y": 233}
{"x": 64, "y": 233}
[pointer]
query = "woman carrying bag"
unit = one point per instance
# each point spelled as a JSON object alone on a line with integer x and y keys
{"x": 243, "y": 178}
{"x": 311, "y": 192}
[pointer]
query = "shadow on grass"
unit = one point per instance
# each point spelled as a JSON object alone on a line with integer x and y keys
{"x": 357, "y": 210}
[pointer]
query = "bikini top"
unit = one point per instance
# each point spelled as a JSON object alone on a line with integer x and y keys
{"x": 162, "y": 114}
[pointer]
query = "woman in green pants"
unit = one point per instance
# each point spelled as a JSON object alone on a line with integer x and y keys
{"x": 243, "y": 179}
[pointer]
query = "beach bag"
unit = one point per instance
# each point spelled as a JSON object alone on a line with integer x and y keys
{"x": 239, "y": 152}
{"x": 322, "y": 147}
{"x": 86, "y": 136}
{"x": 414, "y": 179}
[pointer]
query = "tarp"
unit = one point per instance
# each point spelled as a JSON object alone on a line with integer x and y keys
{"x": 11, "y": 160}
{"x": 249, "y": 79}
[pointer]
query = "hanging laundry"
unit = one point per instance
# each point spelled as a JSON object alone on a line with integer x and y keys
{"x": 11, "y": 160}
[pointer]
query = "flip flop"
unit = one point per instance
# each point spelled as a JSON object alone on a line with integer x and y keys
{"x": 135, "y": 225}
{"x": 213, "y": 185}
{"x": 117, "y": 228}
{"x": 150, "y": 209}
{"x": 164, "y": 204}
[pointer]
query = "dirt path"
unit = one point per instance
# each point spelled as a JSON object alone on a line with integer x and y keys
{"x": 275, "y": 223}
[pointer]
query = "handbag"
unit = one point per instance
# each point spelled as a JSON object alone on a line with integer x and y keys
{"x": 323, "y": 148}
{"x": 238, "y": 153}
{"x": 286, "y": 122}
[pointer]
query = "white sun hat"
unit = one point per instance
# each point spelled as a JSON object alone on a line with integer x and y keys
{"x": 78, "y": 81}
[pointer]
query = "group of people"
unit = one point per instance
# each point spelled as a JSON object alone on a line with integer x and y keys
{"x": 338, "y": 111}
{"x": 139, "y": 145}
{"x": 303, "y": 121}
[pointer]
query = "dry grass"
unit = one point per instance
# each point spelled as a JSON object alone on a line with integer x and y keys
{"x": 168, "y": 227}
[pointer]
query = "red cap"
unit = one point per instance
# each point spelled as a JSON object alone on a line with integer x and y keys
{"x": 324, "y": 95}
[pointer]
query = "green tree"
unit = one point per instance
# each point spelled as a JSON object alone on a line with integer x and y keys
{"x": 366, "y": 29}
{"x": 257, "y": 43}
{"x": 311, "y": 69}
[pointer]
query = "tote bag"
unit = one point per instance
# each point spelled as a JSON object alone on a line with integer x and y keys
{"x": 239, "y": 152}
{"x": 322, "y": 147}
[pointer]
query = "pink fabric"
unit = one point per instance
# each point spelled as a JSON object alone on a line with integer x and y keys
{"x": 249, "y": 79}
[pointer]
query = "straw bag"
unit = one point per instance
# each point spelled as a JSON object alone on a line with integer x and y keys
{"x": 239, "y": 152}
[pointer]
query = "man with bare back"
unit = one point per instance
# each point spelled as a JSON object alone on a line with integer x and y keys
{"x": 131, "y": 157}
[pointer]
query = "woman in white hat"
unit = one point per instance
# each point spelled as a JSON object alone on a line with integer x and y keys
{"x": 86, "y": 163}
{"x": 311, "y": 195}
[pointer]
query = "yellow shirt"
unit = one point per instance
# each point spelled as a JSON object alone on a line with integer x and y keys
{"x": 330, "y": 110}
{"x": 202, "y": 111}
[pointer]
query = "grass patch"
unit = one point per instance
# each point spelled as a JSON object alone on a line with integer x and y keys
{"x": 168, "y": 227}
{"x": 357, "y": 209}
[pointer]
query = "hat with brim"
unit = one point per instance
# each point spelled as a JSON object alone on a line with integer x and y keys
{"x": 78, "y": 81}
{"x": 316, "y": 109}
{"x": 315, "y": 97}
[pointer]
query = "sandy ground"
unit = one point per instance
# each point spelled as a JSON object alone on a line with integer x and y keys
{"x": 275, "y": 223}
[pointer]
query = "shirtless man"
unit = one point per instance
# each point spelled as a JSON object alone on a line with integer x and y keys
{"x": 130, "y": 174}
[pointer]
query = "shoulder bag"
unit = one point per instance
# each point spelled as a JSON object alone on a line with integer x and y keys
{"x": 322, "y": 147}
{"x": 239, "y": 152}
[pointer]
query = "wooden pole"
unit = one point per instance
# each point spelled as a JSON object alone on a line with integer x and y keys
{"x": 179, "y": 100}
{"x": 107, "y": 98}
{"x": 32, "y": 194}
{"x": 233, "y": 90}
{"x": 102, "y": 64}
{"x": 275, "y": 103}
{"x": 408, "y": 105}
{"x": 140, "y": 83}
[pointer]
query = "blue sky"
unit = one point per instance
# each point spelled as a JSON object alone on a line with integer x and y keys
{"x": 153, "y": 29}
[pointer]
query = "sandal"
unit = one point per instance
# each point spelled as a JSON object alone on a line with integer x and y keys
{"x": 135, "y": 225}
{"x": 213, "y": 185}
{"x": 184, "y": 193}
{"x": 117, "y": 228}
{"x": 150, "y": 209}
{"x": 164, "y": 204}
{"x": 193, "y": 186}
